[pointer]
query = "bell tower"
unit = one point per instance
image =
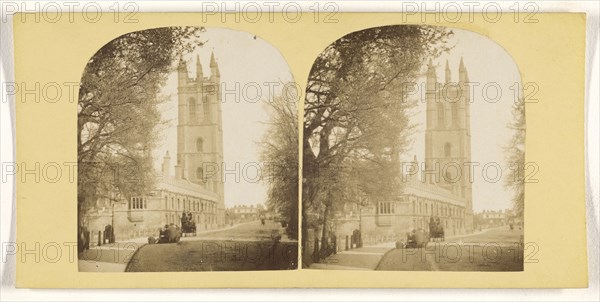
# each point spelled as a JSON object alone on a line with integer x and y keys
{"x": 199, "y": 128}
{"x": 448, "y": 134}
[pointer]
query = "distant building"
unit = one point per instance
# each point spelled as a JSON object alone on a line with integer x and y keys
{"x": 199, "y": 143}
{"x": 489, "y": 218}
{"x": 244, "y": 213}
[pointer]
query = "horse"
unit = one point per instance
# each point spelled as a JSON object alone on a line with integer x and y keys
{"x": 188, "y": 225}
{"x": 169, "y": 234}
{"x": 436, "y": 231}
{"x": 418, "y": 238}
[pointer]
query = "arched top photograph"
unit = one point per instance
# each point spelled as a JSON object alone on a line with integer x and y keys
{"x": 402, "y": 116}
{"x": 205, "y": 97}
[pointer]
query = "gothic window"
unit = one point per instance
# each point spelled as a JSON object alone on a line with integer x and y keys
{"x": 206, "y": 106}
{"x": 199, "y": 145}
{"x": 447, "y": 150}
{"x": 200, "y": 173}
{"x": 440, "y": 116}
{"x": 455, "y": 112}
{"x": 192, "y": 103}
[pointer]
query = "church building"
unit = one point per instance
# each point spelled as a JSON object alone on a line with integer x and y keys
{"x": 196, "y": 186}
{"x": 442, "y": 189}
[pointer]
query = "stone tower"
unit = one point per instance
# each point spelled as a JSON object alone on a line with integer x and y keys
{"x": 199, "y": 129}
{"x": 448, "y": 135}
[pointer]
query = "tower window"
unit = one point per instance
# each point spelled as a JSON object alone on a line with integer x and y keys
{"x": 440, "y": 114}
{"x": 455, "y": 113}
{"x": 199, "y": 145}
{"x": 206, "y": 106}
{"x": 447, "y": 150}
{"x": 192, "y": 104}
{"x": 200, "y": 173}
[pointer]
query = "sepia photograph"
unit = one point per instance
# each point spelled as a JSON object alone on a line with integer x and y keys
{"x": 187, "y": 154}
{"x": 413, "y": 153}
{"x": 321, "y": 150}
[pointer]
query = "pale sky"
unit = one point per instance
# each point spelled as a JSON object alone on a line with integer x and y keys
{"x": 246, "y": 59}
{"x": 486, "y": 62}
{"x": 249, "y": 62}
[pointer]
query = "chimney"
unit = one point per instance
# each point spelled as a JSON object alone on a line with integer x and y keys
{"x": 178, "y": 172}
{"x": 166, "y": 164}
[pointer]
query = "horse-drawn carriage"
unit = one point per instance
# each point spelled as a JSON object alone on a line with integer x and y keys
{"x": 436, "y": 229}
{"x": 416, "y": 239}
{"x": 188, "y": 225}
{"x": 171, "y": 233}
{"x": 168, "y": 234}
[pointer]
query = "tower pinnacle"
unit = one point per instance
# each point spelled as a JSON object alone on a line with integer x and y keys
{"x": 182, "y": 66}
{"x": 182, "y": 72}
{"x": 462, "y": 72}
{"x": 214, "y": 67}
{"x": 199, "y": 73}
{"x": 448, "y": 76}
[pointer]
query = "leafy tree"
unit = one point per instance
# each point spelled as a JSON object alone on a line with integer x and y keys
{"x": 515, "y": 150}
{"x": 355, "y": 118}
{"x": 280, "y": 152}
{"x": 117, "y": 111}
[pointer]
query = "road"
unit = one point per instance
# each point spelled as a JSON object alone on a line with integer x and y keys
{"x": 496, "y": 249}
{"x": 246, "y": 246}
{"x": 240, "y": 248}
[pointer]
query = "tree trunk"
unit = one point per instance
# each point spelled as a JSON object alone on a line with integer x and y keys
{"x": 325, "y": 234}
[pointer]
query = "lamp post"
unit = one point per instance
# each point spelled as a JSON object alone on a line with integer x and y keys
{"x": 359, "y": 205}
{"x": 112, "y": 224}
{"x": 115, "y": 196}
{"x": 361, "y": 201}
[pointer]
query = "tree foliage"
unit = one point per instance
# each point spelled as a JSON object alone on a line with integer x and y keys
{"x": 279, "y": 150}
{"x": 355, "y": 118}
{"x": 515, "y": 150}
{"x": 118, "y": 114}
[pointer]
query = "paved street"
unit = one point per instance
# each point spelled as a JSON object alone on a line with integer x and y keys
{"x": 246, "y": 246}
{"x": 495, "y": 249}
{"x": 241, "y": 248}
